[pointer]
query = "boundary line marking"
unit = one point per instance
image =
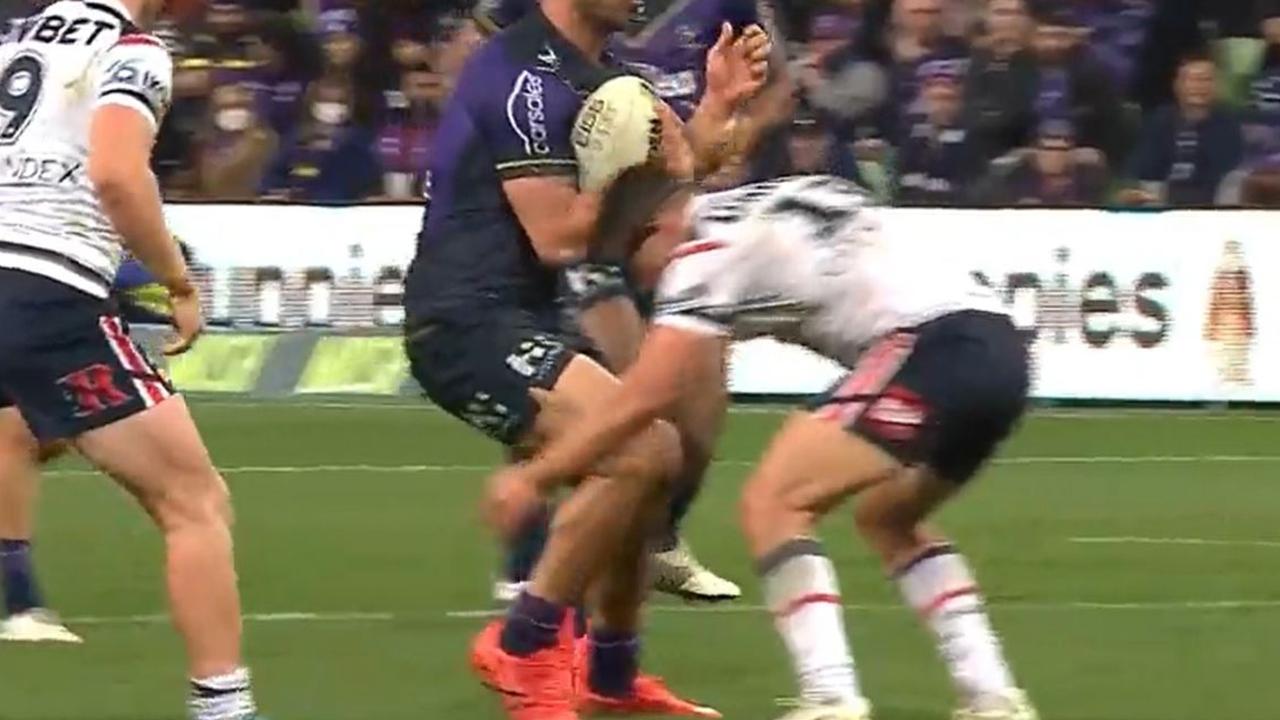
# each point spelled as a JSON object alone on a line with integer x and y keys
{"x": 1206, "y": 542}
{"x": 392, "y": 403}
{"x": 280, "y": 617}
{"x": 387, "y": 617}
{"x": 1026, "y": 460}
{"x": 1013, "y": 605}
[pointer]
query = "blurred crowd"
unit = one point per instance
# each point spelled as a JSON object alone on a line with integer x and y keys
{"x": 926, "y": 102}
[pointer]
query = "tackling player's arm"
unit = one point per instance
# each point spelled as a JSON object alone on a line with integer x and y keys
{"x": 663, "y": 372}
{"x": 134, "y": 91}
{"x": 681, "y": 354}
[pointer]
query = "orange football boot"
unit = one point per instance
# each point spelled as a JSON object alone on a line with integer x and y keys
{"x": 649, "y": 696}
{"x": 537, "y": 687}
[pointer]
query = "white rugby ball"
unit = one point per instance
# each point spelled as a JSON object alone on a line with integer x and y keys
{"x": 619, "y": 127}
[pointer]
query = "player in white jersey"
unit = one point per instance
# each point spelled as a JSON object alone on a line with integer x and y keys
{"x": 939, "y": 379}
{"x": 82, "y": 93}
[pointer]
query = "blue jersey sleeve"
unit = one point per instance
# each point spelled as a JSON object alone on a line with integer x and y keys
{"x": 528, "y": 124}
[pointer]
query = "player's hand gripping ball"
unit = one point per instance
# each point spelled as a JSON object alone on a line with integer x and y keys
{"x": 619, "y": 127}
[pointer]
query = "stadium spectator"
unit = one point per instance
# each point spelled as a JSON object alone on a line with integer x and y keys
{"x": 935, "y": 160}
{"x": 1055, "y": 173}
{"x": 329, "y": 158}
{"x": 914, "y": 47}
{"x": 1117, "y": 30}
{"x": 1187, "y": 149}
{"x": 222, "y": 39}
{"x": 404, "y": 141}
{"x": 284, "y": 61}
{"x": 812, "y": 147}
{"x": 237, "y": 147}
{"x": 339, "y": 30}
{"x": 175, "y": 159}
{"x": 1262, "y": 126}
{"x": 1000, "y": 90}
{"x": 1072, "y": 86}
{"x": 833, "y": 78}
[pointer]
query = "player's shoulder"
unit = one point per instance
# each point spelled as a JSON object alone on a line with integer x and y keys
{"x": 137, "y": 71}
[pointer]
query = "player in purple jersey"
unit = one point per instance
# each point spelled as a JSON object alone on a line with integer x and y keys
{"x": 486, "y": 339}
{"x": 666, "y": 42}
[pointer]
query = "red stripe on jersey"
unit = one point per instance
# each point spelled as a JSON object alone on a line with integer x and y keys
{"x": 694, "y": 248}
{"x": 140, "y": 39}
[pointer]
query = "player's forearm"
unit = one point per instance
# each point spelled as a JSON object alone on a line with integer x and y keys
{"x": 712, "y": 133}
{"x": 132, "y": 203}
{"x": 577, "y": 453}
{"x": 616, "y": 329}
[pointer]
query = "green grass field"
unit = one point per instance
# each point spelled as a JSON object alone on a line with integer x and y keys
{"x": 363, "y": 564}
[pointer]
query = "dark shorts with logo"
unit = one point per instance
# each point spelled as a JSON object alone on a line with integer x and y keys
{"x": 67, "y": 361}
{"x": 944, "y": 394}
{"x": 481, "y": 369}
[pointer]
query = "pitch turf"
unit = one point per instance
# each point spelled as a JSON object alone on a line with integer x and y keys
{"x": 362, "y": 574}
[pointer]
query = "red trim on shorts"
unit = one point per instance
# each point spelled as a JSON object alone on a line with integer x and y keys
{"x": 870, "y": 376}
{"x": 140, "y": 39}
{"x": 153, "y": 392}
{"x": 946, "y": 597}
{"x": 694, "y": 248}
{"x": 810, "y": 599}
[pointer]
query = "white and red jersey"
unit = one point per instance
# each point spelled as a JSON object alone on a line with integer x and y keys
{"x": 809, "y": 260}
{"x": 55, "y": 70}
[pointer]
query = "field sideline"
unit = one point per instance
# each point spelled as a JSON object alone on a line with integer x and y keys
{"x": 1129, "y": 557}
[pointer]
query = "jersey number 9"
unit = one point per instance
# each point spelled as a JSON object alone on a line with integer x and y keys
{"x": 20, "y": 87}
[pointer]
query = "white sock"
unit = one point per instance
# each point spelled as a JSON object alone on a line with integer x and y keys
{"x": 222, "y": 697}
{"x": 802, "y": 592}
{"x": 940, "y": 586}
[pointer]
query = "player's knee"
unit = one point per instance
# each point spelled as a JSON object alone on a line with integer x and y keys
{"x": 883, "y": 528}
{"x": 199, "y": 499}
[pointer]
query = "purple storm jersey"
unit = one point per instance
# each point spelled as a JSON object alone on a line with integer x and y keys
{"x": 511, "y": 116}
{"x": 667, "y": 41}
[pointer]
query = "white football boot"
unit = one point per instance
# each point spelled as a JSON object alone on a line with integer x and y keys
{"x": 677, "y": 572}
{"x": 506, "y": 591}
{"x": 860, "y": 710}
{"x": 36, "y": 625}
{"x": 1009, "y": 705}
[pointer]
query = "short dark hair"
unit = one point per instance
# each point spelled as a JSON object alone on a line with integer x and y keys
{"x": 1196, "y": 56}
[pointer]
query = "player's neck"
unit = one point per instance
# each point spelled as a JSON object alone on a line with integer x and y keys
{"x": 579, "y": 31}
{"x": 134, "y": 9}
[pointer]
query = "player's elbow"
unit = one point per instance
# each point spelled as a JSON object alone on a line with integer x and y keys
{"x": 556, "y": 253}
{"x": 111, "y": 178}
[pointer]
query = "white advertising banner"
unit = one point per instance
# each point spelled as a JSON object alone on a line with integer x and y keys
{"x": 1181, "y": 306}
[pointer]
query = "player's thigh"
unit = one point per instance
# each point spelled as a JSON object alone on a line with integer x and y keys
{"x": 71, "y": 366}
{"x": 584, "y": 387}
{"x": 483, "y": 370}
{"x": 159, "y": 456}
{"x": 812, "y": 464}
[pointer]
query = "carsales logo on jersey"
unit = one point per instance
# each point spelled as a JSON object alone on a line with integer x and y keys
{"x": 527, "y": 114}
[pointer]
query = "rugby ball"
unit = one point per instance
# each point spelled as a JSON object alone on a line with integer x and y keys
{"x": 619, "y": 127}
